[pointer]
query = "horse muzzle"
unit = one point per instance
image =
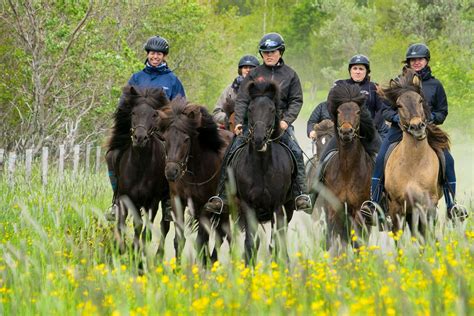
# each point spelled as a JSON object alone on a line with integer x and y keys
{"x": 347, "y": 134}
{"x": 172, "y": 171}
{"x": 140, "y": 140}
{"x": 417, "y": 130}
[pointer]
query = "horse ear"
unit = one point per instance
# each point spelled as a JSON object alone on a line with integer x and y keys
{"x": 251, "y": 88}
{"x": 163, "y": 120}
{"x": 133, "y": 90}
{"x": 273, "y": 89}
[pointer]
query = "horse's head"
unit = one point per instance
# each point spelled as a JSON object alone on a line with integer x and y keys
{"x": 179, "y": 129}
{"x": 143, "y": 105}
{"x": 345, "y": 102}
{"x": 406, "y": 96}
{"x": 228, "y": 108}
{"x": 324, "y": 132}
{"x": 262, "y": 112}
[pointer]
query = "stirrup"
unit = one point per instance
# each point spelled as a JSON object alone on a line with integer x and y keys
{"x": 211, "y": 202}
{"x": 307, "y": 206}
{"x": 368, "y": 209}
{"x": 458, "y": 211}
{"x": 112, "y": 213}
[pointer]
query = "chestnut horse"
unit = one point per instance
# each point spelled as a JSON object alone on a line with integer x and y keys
{"x": 140, "y": 169}
{"x": 348, "y": 173}
{"x": 263, "y": 172}
{"x": 194, "y": 151}
{"x": 412, "y": 169}
{"x": 228, "y": 109}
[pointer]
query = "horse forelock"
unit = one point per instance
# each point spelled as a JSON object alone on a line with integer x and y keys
{"x": 263, "y": 88}
{"x": 344, "y": 93}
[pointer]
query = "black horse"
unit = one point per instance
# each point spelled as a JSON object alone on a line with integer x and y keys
{"x": 263, "y": 171}
{"x": 140, "y": 167}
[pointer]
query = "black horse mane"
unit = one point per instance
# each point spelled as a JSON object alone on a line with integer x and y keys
{"x": 131, "y": 97}
{"x": 437, "y": 138}
{"x": 185, "y": 117}
{"x": 271, "y": 90}
{"x": 344, "y": 93}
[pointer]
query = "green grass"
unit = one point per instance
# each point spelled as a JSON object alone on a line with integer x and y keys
{"x": 57, "y": 259}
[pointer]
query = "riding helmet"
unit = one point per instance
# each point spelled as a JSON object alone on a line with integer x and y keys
{"x": 271, "y": 42}
{"x": 248, "y": 60}
{"x": 359, "y": 60}
{"x": 418, "y": 50}
{"x": 157, "y": 44}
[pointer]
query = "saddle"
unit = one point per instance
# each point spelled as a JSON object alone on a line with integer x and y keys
{"x": 441, "y": 159}
{"x": 321, "y": 169}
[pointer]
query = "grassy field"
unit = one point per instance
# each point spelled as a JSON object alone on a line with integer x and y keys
{"x": 57, "y": 259}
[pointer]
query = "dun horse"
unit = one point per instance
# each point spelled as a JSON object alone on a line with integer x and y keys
{"x": 347, "y": 174}
{"x": 194, "y": 153}
{"x": 140, "y": 168}
{"x": 412, "y": 169}
{"x": 263, "y": 171}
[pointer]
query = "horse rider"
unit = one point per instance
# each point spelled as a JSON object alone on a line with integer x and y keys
{"x": 359, "y": 70}
{"x": 417, "y": 57}
{"x": 271, "y": 49}
{"x": 246, "y": 63}
{"x": 156, "y": 74}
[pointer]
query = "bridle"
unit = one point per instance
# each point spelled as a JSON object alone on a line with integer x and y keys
{"x": 339, "y": 131}
{"x": 149, "y": 132}
{"x": 268, "y": 133}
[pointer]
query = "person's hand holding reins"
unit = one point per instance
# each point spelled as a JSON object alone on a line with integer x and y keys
{"x": 283, "y": 125}
{"x": 312, "y": 135}
{"x": 238, "y": 129}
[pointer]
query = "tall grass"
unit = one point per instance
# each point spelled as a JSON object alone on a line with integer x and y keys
{"x": 57, "y": 258}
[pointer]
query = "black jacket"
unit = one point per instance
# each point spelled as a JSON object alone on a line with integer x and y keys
{"x": 434, "y": 94}
{"x": 319, "y": 114}
{"x": 291, "y": 94}
{"x": 373, "y": 103}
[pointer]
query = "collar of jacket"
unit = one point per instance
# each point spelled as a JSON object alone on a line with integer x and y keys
{"x": 425, "y": 73}
{"x": 278, "y": 64}
{"x": 160, "y": 69}
{"x": 360, "y": 83}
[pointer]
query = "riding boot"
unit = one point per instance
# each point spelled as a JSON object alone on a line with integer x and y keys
{"x": 454, "y": 210}
{"x": 302, "y": 200}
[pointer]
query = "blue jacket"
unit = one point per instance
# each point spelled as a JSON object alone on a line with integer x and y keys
{"x": 373, "y": 102}
{"x": 435, "y": 96}
{"x": 158, "y": 77}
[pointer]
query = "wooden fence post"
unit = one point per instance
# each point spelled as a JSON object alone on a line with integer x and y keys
{"x": 2, "y": 151}
{"x": 77, "y": 148}
{"x": 11, "y": 167}
{"x": 61, "y": 162}
{"x": 97, "y": 159}
{"x": 44, "y": 165}
{"x": 88, "y": 153}
{"x": 28, "y": 161}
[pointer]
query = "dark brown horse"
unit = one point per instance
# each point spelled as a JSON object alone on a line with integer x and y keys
{"x": 141, "y": 180}
{"x": 228, "y": 108}
{"x": 194, "y": 153}
{"x": 324, "y": 132}
{"x": 263, "y": 172}
{"x": 348, "y": 173}
{"x": 412, "y": 169}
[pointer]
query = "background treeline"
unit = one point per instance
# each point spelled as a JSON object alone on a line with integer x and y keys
{"x": 63, "y": 63}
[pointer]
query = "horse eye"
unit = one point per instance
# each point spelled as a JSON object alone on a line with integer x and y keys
{"x": 133, "y": 113}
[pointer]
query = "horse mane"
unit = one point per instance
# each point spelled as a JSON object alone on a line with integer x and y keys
{"x": 271, "y": 90}
{"x": 195, "y": 121}
{"x": 132, "y": 96}
{"x": 229, "y": 106}
{"x": 437, "y": 138}
{"x": 344, "y": 93}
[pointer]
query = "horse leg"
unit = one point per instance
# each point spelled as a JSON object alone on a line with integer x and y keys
{"x": 120, "y": 227}
{"x": 281, "y": 249}
{"x": 250, "y": 243}
{"x": 202, "y": 240}
{"x": 178, "y": 216}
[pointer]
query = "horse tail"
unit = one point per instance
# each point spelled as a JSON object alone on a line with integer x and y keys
{"x": 437, "y": 138}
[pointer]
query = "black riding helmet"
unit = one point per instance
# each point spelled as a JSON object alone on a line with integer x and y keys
{"x": 418, "y": 50}
{"x": 157, "y": 44}
{"x": 359, "y": 60}
{"x": 271, "y": 42}
{"x": 248, "y": 60}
